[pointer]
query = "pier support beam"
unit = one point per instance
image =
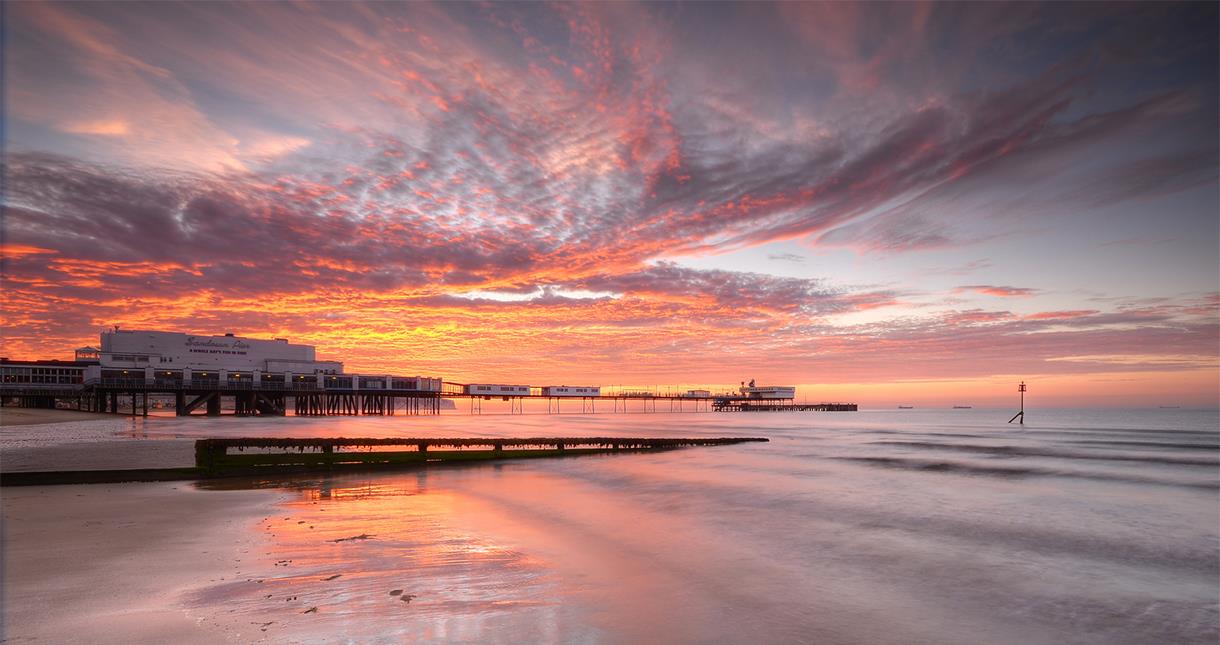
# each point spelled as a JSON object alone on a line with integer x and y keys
{"x": 270, "y": 404}
{"x": 187, "y": 408}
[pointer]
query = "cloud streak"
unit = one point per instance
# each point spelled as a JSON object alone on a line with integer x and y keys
{"x": 1001, "y": 292}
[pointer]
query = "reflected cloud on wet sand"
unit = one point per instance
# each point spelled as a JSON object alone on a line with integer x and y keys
{"x": 343, "y": 545}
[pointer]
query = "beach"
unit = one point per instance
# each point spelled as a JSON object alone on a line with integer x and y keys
{"x": 37, "y": 416}
{"x": 870, "y": 527}
{"x": 33, "y": 439}
{"x": 113, "y": 563}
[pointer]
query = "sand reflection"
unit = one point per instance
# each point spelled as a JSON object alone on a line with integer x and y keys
{"x": 389, "y": 559}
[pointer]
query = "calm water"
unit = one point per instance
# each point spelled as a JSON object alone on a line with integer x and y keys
{"x": 900, "y": 526}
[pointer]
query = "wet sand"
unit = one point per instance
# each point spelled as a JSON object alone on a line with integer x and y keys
{"x": 36, "y": 416}
{"x": 51, "y": 440}
{"x": 112, "y": 455}
{"x": 116, "y": 563}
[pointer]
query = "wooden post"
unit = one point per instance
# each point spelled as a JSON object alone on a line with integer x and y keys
{"x": 1021, "y": 389}
{"x": 208, "y": 456}
{"x": 1020, "y": 415}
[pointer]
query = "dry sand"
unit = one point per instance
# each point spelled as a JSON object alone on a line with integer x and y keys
{"x": 113, "y": 563}
{"x": 35, "y": 416}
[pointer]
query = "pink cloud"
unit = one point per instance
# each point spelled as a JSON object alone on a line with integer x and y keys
{"x": 1060, "y": 315}
{"x": 998, "y": 291}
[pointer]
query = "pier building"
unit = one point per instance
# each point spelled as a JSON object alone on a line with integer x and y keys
{"x": 177, "y": 356}
{"x": 568, "y": 390}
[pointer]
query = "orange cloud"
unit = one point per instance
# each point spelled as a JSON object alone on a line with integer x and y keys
{"x": 1000, "y": 292}
{"x": 1055, "y": 315}
{"x": 18, "y": 250}
{"x": 104, "y": 127}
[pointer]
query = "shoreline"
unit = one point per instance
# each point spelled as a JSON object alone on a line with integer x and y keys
{"x": 126, "y": 557}
{"x": 34, "y": 439}
{"x": 11, "y": 416}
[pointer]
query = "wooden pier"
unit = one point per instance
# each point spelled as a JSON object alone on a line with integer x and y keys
{"x": 132, "y": 396}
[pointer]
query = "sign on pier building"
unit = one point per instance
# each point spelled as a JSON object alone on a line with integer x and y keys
{"x": 171, "y": 351}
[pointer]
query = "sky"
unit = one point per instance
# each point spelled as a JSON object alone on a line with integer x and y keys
{"x": 891, "y": 204}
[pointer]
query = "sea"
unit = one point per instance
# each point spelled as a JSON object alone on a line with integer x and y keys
{"x": 878, "y": 526}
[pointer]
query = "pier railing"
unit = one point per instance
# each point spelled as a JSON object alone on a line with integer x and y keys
{"x": 170, "y": 385}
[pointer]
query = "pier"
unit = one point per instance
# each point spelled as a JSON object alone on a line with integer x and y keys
{"x": 136, "y": 370}
{"x": 315, "y": 397}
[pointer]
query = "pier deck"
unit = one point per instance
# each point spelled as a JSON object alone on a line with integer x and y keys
{"x": 305, "y": 399}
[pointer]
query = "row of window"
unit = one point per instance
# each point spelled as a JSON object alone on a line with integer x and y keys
{"x": 48, "y": 375}
{"x": 42, "y": 379}
{"x": 135, "y": 358}
{"x": 44, "y": 371}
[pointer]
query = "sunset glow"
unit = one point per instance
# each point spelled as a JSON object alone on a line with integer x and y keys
{"x": 883, "y": 203}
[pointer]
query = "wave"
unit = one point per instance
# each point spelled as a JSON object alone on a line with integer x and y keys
{"x": 930, "y": 465}
{"x": 1021, "y": 451}
{"x": 710, "y": 494}
{"x": 1149, "y": 444}
{"x": 1211, "y": 434}
{"x": 908, "y": 433}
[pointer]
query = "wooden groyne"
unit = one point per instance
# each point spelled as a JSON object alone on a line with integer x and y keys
{"x": 219, "y": 457}
{"x": 269, "y": 456}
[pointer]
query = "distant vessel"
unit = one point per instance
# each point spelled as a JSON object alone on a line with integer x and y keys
{"x": 906, "y": 407}
{"x": 962, "y": 407}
